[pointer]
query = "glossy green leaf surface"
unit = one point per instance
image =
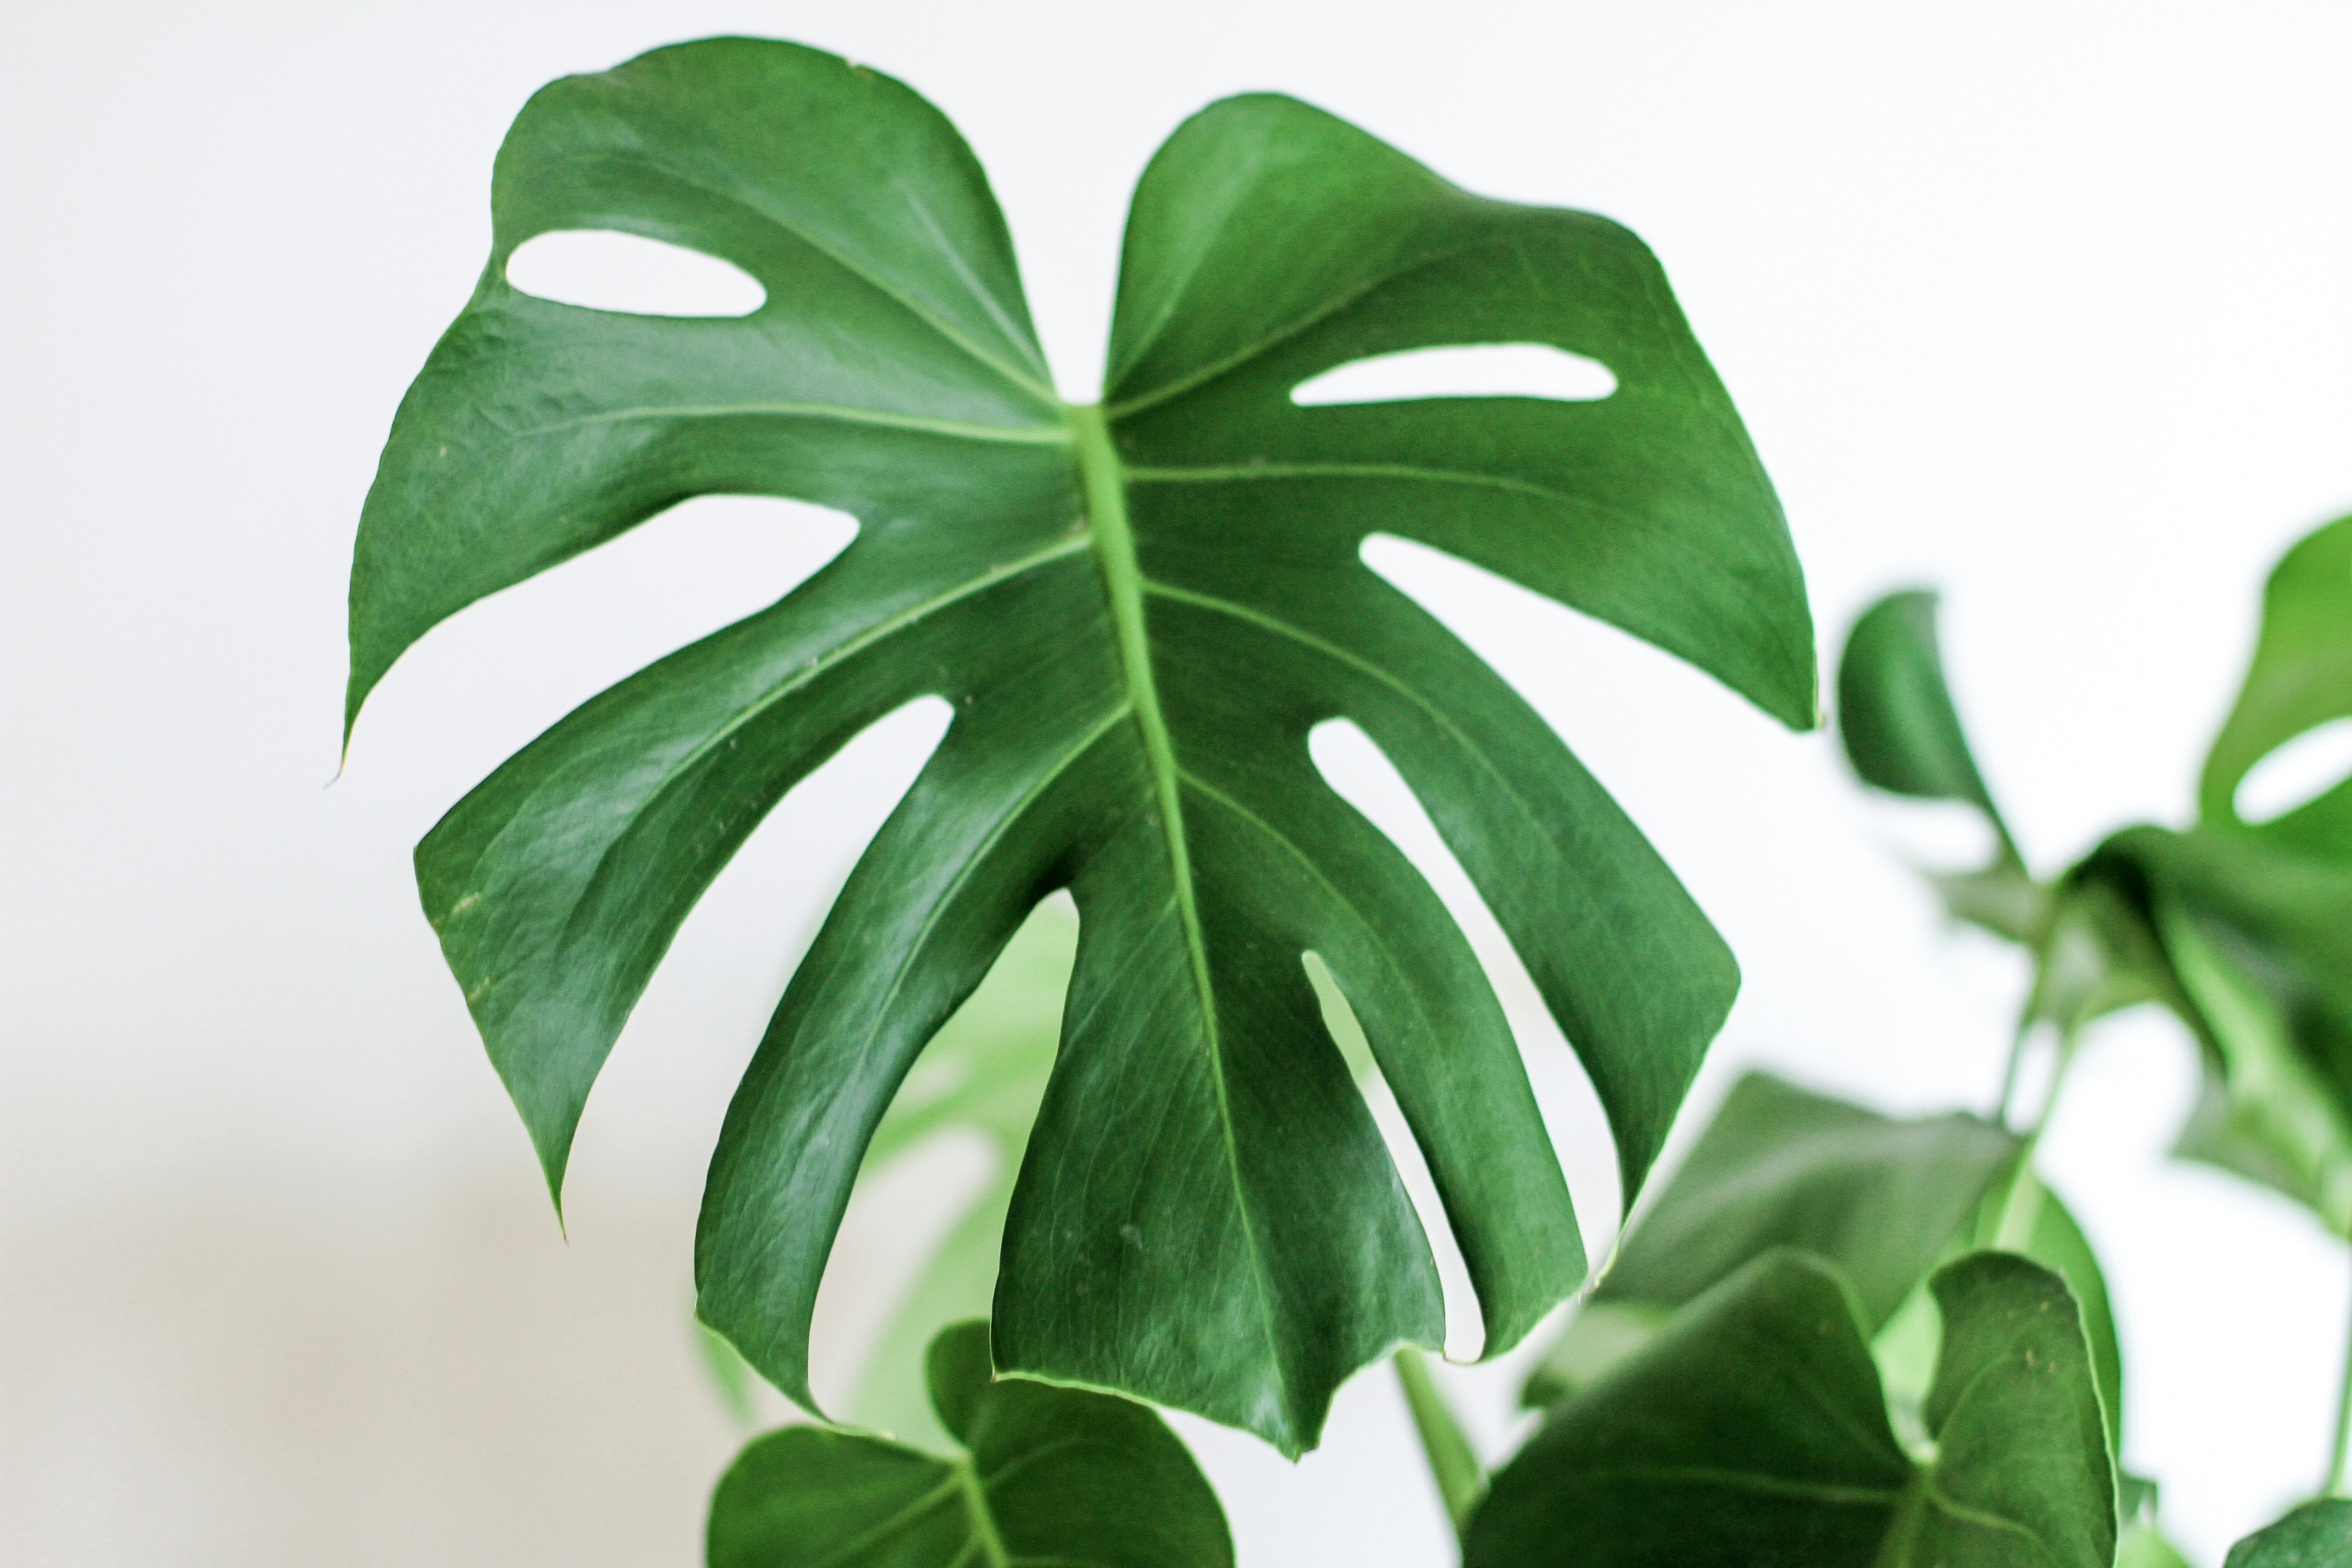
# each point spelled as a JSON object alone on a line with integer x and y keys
{"x": 984, "y": 1073}
{"x": 1137, "y": 612}
{"x": 1902, "y": 733}
{"x": 1753, "y": 1430}
{"x": 2316, "y": 1535}
{"x": 1782, "y": 1166}
{"x": 2301, "y": 677}
{"x": 1048, "y": 1476}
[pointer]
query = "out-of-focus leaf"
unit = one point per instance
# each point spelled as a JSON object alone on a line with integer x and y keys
{"x": 1903, "y": 734}
{"x": 1599, "y": 1336}
{"x": 2145, "y": 1546}
{"x": 985, "y": 1071}
{"x": 1753, "y": 1430}
{"x": 2258, "y": 941}
{"x": 2300, "y": 679}
{"x": 1049, "y": 1476}
{"x": 2316, "y": 1535}
{"x": 730, "y": 1376}
{"x": 1779, "y": 1166}
{"x": 1138, "y": 610}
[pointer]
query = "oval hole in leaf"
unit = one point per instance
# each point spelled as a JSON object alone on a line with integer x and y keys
{"x": 605, "y": 270}
{"x": 1477, "y": 370}
{"x": 2296, "y": 772}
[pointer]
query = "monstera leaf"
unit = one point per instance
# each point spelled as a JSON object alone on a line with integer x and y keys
{"x": 1902, "y": 733}
{"x": 2301, "y": 677}
{"x": 1753, "y": 1429}
{"x": 1138, "y": 610}
{"x": 2316, "y": 1535}
{"x": 1049, "y": 1475}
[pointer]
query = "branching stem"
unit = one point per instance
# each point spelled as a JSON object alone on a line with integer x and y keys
{"x": 2021, "y": 1206}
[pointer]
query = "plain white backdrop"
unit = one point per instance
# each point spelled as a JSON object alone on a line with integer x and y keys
{"x": 2048, "y": 304}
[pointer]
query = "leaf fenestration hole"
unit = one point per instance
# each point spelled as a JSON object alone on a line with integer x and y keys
{"x": 2296, "y": 772}
{"x": 897, "y": 1216}
{"x": 605, "y": 270}
{"x": 1465, "y": 1327}
{"x": 1477, "y": 370}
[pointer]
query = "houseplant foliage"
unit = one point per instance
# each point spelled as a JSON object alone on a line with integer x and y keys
{"x": 1754, "y": 1429}
{"x": 1834, "y": 1336}
{"x": 1139, "y": 609}
{"x": 1048, "y": 1475}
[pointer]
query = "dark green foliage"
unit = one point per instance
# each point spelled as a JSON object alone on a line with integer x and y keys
{"x": 1138, "y": 611}
{"x": 1753, "y": 1431}
{"x": 2316, "y": 1535}
{"x": 1049, "y": 1476}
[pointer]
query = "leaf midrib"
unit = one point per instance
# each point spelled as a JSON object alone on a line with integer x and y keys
{"x": 1104, "y": 485}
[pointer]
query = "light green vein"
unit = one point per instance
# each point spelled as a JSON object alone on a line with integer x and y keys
{"x": 1228, "y": 472}
{"x": 984, "y": 1521}
{"x": 1114, "y": 541}
{"x": 896, "y": 294}
{"x": 1040, "y": 435}
{"x": 848, "y": 1550}
{"x": 1281, "y": 333}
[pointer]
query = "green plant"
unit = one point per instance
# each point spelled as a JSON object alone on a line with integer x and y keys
{"x": 1832, "y": 1337}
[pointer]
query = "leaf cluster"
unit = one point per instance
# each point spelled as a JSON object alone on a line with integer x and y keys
{"x": 1832, "y": 1338}
{"x": 2243, "y": 929}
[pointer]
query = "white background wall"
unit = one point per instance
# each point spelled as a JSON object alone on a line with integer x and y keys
{"x": 2051, "y": 304}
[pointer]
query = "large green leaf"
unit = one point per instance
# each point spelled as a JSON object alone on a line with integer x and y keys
{"x": 1138, "y": 611}
{"x": 1050, "y": 1476}
{"x": 2300, "y": 679}
{"x": 1902, "y": 733}
{"x": 1781, "y": 1166}
{"x": 1753, "y": 1430}
{"x": 2316, "y": 1535}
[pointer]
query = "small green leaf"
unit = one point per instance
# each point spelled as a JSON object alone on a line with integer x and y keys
{"x": 2300, "y": 679}
{"x": 1050, "y": 1476}
{"x": 2316, "y": 1535}
{"x": 1782, "y": 1166}
{"x": 1138, "y": 611}
{"x": 1902, "y": 733}
{"x": 1906, "y": 1349}
{"x": 1753, "y": 1429}
{"x": 1895, "y": 715}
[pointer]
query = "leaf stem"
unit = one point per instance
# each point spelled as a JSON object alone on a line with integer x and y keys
{"x": 2343, "y": 1441}
{"x": 2021, "y": 1206}
{"x": 1460, "y": 1480}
